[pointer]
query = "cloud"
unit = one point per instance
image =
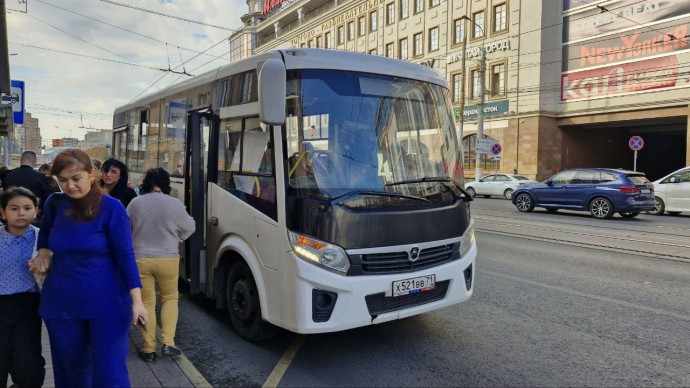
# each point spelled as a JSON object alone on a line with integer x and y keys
{"x": 130, "y": 45}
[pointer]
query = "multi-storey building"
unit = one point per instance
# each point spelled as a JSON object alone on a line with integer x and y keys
{"x": 567, "y": 83}
{"x": 27, "y": 136}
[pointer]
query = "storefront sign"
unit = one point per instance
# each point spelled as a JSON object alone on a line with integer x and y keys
{"x": 628, "y": 13}
{"x": 664, "y": 38}
{"x": 493, "y": 108}
{"x": 472, "y": 52}
{"x": 626, "y": 78}
{"x": 336, "y": 20}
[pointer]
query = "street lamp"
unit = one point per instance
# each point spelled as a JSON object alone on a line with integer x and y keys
{"x": 480, "y": 113}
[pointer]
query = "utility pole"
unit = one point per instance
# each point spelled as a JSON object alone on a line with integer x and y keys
{"x": 462, "y": 94}
{"x": 480, "y": 115}
{"x": 5, "y": 112}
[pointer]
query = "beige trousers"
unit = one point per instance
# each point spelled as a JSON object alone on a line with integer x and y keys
{"x": 164, "y": 272}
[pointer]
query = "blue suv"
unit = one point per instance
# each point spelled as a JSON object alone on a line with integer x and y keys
{"x": 601, "y": 191}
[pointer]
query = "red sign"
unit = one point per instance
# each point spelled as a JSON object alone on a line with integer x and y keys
{"x": 269, "y": 5}
{"x": 625, "y": 78}
{"x": 629, "y": 46}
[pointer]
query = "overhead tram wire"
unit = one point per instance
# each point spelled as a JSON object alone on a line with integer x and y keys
{"x": 166, "y": 15}
{"x": 76, "y": 37}
{"x": 116, "y": 26}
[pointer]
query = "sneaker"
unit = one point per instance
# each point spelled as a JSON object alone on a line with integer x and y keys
{"x": 170, "y": 351}
{"x": 148, "y": 357}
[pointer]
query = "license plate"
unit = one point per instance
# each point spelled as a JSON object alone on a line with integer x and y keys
{"x": 645, "y": 191}
{"x": 414, "y": 285}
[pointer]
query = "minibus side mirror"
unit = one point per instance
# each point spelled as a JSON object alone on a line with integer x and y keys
{"x": 272, "y": 85}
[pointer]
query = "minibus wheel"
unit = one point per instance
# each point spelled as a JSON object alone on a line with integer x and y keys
{"x": 244, "y": 306}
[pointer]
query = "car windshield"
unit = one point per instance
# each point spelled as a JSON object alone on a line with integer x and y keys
{"x": 354, "y": 132}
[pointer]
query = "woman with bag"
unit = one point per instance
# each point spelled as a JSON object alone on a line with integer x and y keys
{"x": 93, "y": 292}
{"x": 159, "y": 223}
{"x": 20, "y": 324}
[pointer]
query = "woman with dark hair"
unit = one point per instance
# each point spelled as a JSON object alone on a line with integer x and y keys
{"x": 114, "y": 178}
{"x": 159, "y": 223}
{"x": 93, "y": 292}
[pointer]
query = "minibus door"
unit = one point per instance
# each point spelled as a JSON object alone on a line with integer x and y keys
{"x": 201, "y": 125}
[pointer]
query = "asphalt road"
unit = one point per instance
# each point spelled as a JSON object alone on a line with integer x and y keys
{"x": 548, "y": 310}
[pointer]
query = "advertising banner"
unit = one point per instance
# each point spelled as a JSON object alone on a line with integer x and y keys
{"x": 628, "y": 46}
{"x": 628, "y": 13}
{"x": 625, "y": 78}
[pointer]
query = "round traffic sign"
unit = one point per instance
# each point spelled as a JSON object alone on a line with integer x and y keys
{"x": 636, "y": 143}
{"x": 496, "y": 149}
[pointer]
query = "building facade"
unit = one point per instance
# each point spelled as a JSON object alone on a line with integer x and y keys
{"x": 27, "y": 136}
{"x": 566, "y": 83}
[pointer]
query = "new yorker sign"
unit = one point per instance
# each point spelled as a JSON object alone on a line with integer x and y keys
{"x": 336, "y": 20}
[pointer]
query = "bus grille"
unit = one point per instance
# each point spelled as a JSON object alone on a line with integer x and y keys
{"x": 397, "y": 262}
{"x": 380, "y": 303}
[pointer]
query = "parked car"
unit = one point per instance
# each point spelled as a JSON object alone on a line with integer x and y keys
{"x": 601, "y": 191}
{"x": 672, "y": 193}
{"x": 496, "y": 184}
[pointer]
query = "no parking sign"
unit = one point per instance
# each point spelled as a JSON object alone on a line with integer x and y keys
{"x": 635, "y": 143}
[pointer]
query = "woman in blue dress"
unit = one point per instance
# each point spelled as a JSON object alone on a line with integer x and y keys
{"x": 93, "y": 291}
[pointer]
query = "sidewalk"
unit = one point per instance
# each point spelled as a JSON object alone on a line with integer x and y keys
{"x": 165, "y": 372}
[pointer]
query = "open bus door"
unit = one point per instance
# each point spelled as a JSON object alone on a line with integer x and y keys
{"x": 201, "y": 126}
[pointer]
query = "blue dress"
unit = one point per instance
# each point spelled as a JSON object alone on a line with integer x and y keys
{"x": 85, "y": 300}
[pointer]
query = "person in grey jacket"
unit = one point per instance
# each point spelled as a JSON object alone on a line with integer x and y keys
{"x": 159, "y": 223}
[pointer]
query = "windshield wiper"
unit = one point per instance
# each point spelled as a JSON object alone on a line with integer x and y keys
{"x": 352, "y": 193}
{"x": 441, "y": 179}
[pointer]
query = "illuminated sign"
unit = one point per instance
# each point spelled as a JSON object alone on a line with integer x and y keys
{"x": 269, "y": 5}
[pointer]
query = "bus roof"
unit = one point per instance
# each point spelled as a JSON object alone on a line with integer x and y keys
{"x": 303, "y": 58}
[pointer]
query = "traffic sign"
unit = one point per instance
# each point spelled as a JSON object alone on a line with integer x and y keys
{"x": 483, "y": 146}
{"x": 496, "y": 149}
{"x": 17, "y": 87}
{"x": 636, "y": 143}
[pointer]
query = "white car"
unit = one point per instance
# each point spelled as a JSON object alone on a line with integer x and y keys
{"x": 496, "y": 184}
{"x": 672, "y": 193}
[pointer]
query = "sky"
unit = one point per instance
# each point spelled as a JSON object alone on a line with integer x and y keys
{"x": 80, "y": 59}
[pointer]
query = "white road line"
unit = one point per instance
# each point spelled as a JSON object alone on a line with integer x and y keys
{"x": 284, "y": 362}
{"x": 591, "y": 296}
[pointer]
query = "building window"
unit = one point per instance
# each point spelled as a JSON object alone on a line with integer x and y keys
{"x": 310, "y": 43}
{"x": 500, "y": 21}
{"x": 302, "y": 45}
{"x": 458, "y": 31}
{"x": 373, "y": 19}
{"x": 418, "y": 45}
{"x": 433, "y": 39}
{"x": 433, "y": 3}
{"x": 389, "y": 50}
{"x": 404, "y": 11}
{"x": 372, "y": 51}
{"x": 341, "y": 35}
{"x": 390, "y": 13}
{"x": 362, "y": 26}
{"x": 418, "y": 6}
{"x": 402, "y": 51}
{"x": 318, "y": 42}
{"x": 457, "y": 79}
{"x": 475, "y": 84}
{"x": 498, "y": 80}
{"x": 478, "y": 19}
{"x": 350, "y": 30}
{"x": 328, "y": 40}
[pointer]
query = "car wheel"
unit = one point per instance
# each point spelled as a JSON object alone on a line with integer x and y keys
{"x": 601, "y": 208}
{"x": 471, "y": 192}
{"x": 629, "y": 214}
{"x": 659, "y": 207}
{"x": 524, "y": 203}
{"x": 508, "y": 193}
{"x": 244, "y": 306}
{"x": 552, "y": 209}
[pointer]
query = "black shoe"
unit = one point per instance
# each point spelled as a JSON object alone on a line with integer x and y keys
{"x": 148, "y": 357}
{"x": 170, "y": 351}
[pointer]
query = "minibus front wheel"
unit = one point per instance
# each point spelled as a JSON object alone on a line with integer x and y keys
{"x": 244, "y": 306}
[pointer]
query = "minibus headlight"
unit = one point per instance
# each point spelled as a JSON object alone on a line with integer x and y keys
{"x": 467, "y": 239}
{"x": 316, "y": 251}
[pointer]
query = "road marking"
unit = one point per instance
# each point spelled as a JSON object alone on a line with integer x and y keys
{"x": 284, "y": 362}
{"x": 591, "y": 296}
{"x": 189, "y": 370}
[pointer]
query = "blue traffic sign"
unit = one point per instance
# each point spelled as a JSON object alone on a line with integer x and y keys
{"x": 18, "y": 107}
{"x": 636, "y": 143}
{"x": 496, "y": 149}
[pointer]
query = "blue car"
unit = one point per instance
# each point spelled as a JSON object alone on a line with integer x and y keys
{"x": 601, "y": 191}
